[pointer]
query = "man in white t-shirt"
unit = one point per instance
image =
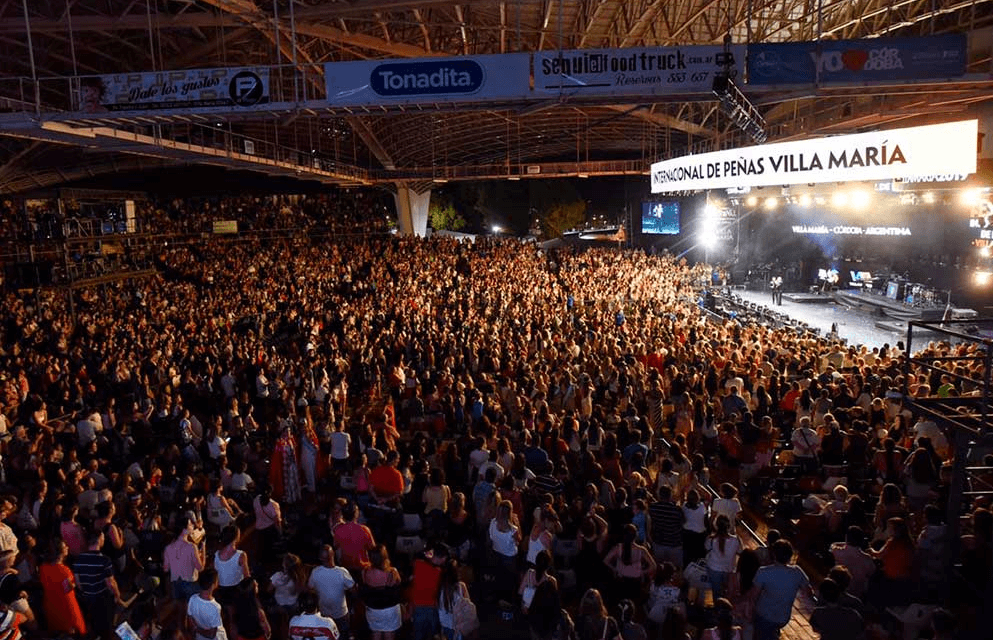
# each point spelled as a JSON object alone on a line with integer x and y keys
{"x": 805, "y": 443}
{"x": 229, "y": 384}
{"x": 88, "y": 427}
{"x": 331, "y": 582}
{"x": 341, "y": 444}
{"x": 311, "y": 625}
{"x": 927, "y": 428}
{"x": 203, "y": 612}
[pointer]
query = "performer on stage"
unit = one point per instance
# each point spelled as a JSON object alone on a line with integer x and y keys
{"x": 777, "y": 290}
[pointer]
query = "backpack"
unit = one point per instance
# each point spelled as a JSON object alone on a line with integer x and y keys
{"x": 464, "y": 616}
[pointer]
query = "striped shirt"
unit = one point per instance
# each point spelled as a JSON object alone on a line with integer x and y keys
{"x": 92, "y": 569}
{"x": 545, "y": 483}
{"x": 667, "y": 524}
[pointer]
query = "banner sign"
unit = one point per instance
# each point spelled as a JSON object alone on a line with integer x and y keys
{"x": 858, "y": 61}
{"x": 879, "y": 155}
{"x": 225, "y": 226}
{"x": 848, "y": 230}
{"x": 183, "y": 89}
{"x": 644, "y": 71}
{"x": 427, "y": 80}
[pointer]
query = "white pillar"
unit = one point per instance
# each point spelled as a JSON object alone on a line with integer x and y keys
{"x": 412, "y": 211}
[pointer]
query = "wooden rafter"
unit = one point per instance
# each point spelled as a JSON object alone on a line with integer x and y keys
{"x": 647, "y": 17}
{"x": 424, "y": 29}
{"x": 460, "y": 16}
{"x": 549, "y": 5}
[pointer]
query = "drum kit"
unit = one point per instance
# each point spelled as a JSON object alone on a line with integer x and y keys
{"x": 921, "y": 296}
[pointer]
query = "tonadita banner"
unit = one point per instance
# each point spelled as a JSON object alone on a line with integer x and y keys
{"x": 428, "y": 80}
{"x": 858, "y": 61}
{"x": 880, "y": 155}
{"x": 636, "y": 72}
{"x": 180, "y": 89}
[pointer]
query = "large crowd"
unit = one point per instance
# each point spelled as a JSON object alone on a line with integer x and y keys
{"x": 378, "y": 436}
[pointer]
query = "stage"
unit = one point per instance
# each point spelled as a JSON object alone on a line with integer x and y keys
{"x": 809, "y": 298}
{"x": 880, "y": 305}
{"x": 857, "y": 327}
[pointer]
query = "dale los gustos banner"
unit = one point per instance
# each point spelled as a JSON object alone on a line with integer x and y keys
{"x": 858, "y": 61}
{"x": 180, "y": 89}
{"x": 878, "y": 155}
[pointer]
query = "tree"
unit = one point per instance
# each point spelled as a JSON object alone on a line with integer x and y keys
{"x": 558, "y": 206}
{"x": 443, "y": 215}
{"x": 562, "y": 216}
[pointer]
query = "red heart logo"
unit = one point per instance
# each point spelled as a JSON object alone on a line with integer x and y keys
{"x": 855, "y": 59}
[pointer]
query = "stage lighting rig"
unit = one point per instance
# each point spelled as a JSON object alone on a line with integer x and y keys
{"x": 733, "y": 102}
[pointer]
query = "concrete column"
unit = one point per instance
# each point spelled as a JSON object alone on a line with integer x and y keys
{"x": 412, "y": 211}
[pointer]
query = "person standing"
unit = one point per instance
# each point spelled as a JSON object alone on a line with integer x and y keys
{"x": 231, "y": 565}
{"x": 424, "y": 590}
{"x": 203, "y": 613}
{"x": 62, "y": 612}
{"x": 341, "y": 446}
{"x": 382, "y": 595}
{"x": 268, "y": 523}
{"x": 778, "y": 585}
{"x": 666, "y": 521}
{"x": 184, "y": 560}
{"x": 722, "y": 555}
{"x": 331, "y": 583}
{"x": 832, "y": 620}
{"x": 97, "y": 586}
{"x": 694, "y": 527}
{"x": 310, "y": 624}
{"x": 631, "y": 564}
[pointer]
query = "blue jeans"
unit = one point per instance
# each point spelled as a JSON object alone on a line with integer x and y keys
{"x": 344, "y": 627}
{"x": 425, "y": 622}
{"x": 718, "y": 582}
{"x": 766, "y": 630}
{"x": 182, "y": 590}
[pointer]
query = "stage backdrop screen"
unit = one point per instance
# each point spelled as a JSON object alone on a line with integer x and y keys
{"x": 660, "y": 218}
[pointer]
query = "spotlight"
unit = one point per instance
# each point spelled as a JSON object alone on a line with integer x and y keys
{"x": 752, "y": 201}
{"x": 985, "y": 251}
{"x": 804, "y": 200}
{"x": 929, "y": 197}
{"x": 971, "y": 197}
{"x": 711, "y": 210}
{"x": 982, "y": 278}
{"x": 861, "y": 199}
{"x": 839, "y": 199}
{"x": 770, "y": 203}
{"x": 708, "y": 240}
{"x": 497, "y": 228}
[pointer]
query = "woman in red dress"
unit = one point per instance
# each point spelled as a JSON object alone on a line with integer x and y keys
{"x": 62, "y": 611}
